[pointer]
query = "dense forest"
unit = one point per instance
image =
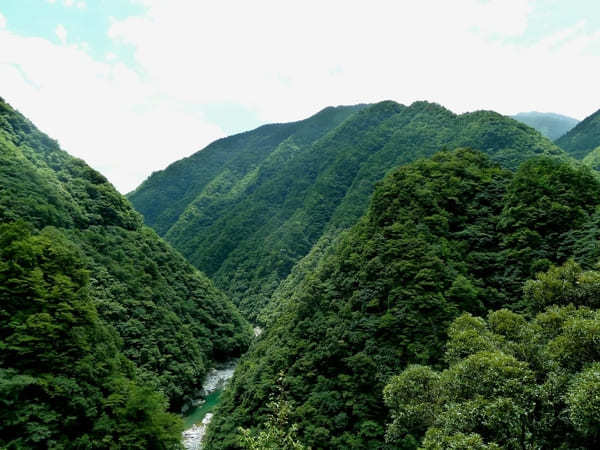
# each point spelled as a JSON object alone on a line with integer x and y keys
{"x": 104, "y": 328}
{"x": 424, "y": 280}
{"x": 281, "y": 188}
{"x": 529, "y": 380}
{"x": 582, "y": 139}
{"x": 442, "y": 237}
{"x": 592, "y": 159}
{"x": 550, "y": 125}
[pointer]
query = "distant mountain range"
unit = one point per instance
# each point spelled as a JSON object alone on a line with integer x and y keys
{"x": 582, "y": 139}
{"x": 550, "y": 125}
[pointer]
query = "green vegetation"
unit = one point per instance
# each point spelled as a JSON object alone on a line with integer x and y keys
{"x": 592, "y": 159}
{"x": 582, "y": 139}
{"x": 63, "y": 382}
{"x": 550, "y": 125}
{"x": 511, "y": 383}
{"x": 442, "y": 236}
{"x": 172, "y": 320}
{"x": 225, "y": 167}
{"x": 373, "y": 336}
{"x": 103, "y": 324}
{"x": 247, "y": 222}
{"x": 278, "y": 434}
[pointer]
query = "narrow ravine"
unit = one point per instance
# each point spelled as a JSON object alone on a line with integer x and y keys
{"x": 196, "y": 420}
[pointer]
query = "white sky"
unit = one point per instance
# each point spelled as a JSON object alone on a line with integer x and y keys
{"x": 282, "y": 61}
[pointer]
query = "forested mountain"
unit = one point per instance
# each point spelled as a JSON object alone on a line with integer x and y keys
{"x": 283, "y": 187}
{"x": 592, "y": 159}
{"x": 442, "y": 236}
{"x": 550, "y": 125}
{"x": 582, "y": 139}
{"x": 225, "y": 166}
{"x": 103, "y": 326}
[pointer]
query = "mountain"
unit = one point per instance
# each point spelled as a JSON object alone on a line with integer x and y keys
{"x": 102, "y": 324}
{"x": 582, "y": 139}
{"x": 592, "y": 159}
{"x": 441, "y": 236}
{"x": 550, "y": 125}
{"x": 247, "y": 208}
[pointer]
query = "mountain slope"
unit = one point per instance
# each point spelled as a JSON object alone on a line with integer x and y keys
{"x": 450, "y": 234}
{"x": 225, "y": 163}
{"x": 592, "y": 159}
{"x": 171, "y": 320}
{"x": 550, "y": 125}
{"x": 63, "y": 381}
{"x": 582, "y": 139}
{"x": 248, "y": 230}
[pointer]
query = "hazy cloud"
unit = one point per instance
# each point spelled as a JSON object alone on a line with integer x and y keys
{"x": 61, "y": 32}
{"x": 102, "y": 112}
{"x": 284, "y": 61}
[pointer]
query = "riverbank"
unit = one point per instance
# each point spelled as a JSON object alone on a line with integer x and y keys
{"x": 197, "y": 418}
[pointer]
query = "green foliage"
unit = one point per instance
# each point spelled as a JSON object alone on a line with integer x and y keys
{"x": 550, "y": 125}
{"x": 441, "y": 236}
{"x": 583, "y": 400}
{"x": 222, "y": 168}
{"x": 548, "y": 203}
{"x": 592, "y": 159}
{"x": 582, "y": 139}
{"x": 410, "y": 397}
{"x": 162, "y": 314}
{"x": 278, "y": 433}
{"x": 247, "y": 225}
{"x": 511, "y": 383}
{"x": 172, "y": 320}
{"x": 563, "y": 285}
{"x": 63, "y": 381}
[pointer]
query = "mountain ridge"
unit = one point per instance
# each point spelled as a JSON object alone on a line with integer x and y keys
{"x": 141, "y": 287}
{"x": 551, "y": 125}
{"x": 442, "y": 235}
{"x": 582, "y": 139}
{"x": 246, "y": 230}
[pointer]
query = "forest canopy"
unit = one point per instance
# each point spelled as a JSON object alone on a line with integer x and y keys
{"x": 442, "y": 236}
{"x": 104, "y": 328}
{"x": 512, "y": 381}
{"x": 248, "y": 207}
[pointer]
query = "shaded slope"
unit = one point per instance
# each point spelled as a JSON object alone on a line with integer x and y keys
{"x": 64, "y": 383}
{"x": 583, "y": 138}
{"x": 173, "y": 321}
{"x": 592, "y": 159}
{"x": 454, "y": 233}
{"x": 247, "y": 232}
{"x": 550, "y": 125}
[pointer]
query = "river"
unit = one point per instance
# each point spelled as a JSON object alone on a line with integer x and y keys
{"x": 197, "y": 418}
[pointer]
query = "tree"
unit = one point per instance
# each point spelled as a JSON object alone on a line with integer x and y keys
{"x": 277, "y": 434}
{"x": 511, "y": 383}
{"x": 63, "y": 380}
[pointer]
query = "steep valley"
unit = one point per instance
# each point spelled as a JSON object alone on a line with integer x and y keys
{"x": 247, "y": 222}
{"x": 375, "y": 249}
